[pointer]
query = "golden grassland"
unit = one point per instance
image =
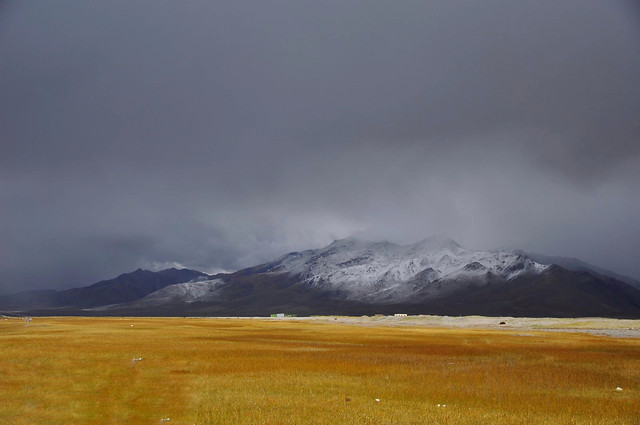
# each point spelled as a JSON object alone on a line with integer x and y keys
{"x": 251, "y": 371}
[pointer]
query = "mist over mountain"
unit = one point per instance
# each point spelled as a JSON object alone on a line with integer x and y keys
{"x": 217, "y": 135}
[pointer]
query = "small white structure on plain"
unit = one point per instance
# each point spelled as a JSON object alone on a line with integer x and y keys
{"x": 438, "y": 404}
{"x": 137, "y": 359}
{"x": 165, "y": 419}
{"x": 377, "y": 399}
{"x": 618, "y": 389}
{"x": 131, "y": 325}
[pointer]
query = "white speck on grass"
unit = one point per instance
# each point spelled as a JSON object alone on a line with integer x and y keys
{"x": 618, "y": 389}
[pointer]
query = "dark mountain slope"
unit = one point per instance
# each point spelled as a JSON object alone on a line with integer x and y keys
{"x": 575, "y": 264}
{"x": 124, "y": 288}
{"x": 556, "y": 292}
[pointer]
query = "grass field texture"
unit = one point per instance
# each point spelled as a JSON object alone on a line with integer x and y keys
{"x": 250, "y": 371}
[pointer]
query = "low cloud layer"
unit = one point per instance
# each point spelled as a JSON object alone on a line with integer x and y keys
{"x": 219, "y": 135}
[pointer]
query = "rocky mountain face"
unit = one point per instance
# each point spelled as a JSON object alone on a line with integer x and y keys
{"x": 385, "y": 272}
{"x": 353, "y": 276}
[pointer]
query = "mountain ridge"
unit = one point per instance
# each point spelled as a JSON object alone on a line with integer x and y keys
{"x": 124, "y": 288}
{"x": 354, "y": 276}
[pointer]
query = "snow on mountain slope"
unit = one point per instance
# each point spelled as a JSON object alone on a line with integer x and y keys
{"x": 364, "y": 271}
{"x": 188, "y": 292}
{"x": 383, "y": 270}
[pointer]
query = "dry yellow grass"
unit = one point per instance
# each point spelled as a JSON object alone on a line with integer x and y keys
{"x": 233, "y": 371}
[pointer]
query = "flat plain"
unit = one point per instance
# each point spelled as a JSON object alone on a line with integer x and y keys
{"x": 375, "y": 370}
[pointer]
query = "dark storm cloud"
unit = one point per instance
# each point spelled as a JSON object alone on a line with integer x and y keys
{"x": 216, "y": 135}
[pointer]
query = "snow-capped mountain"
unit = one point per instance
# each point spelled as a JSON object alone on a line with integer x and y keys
{"x": 384, "y": 271}
{"x": 354, "y": 276}
{"x": 435, "y": 275}
{"x": 372, "y": 272}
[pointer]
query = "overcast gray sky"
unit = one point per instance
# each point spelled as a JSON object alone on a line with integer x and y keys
{"x": 217, "y": 135}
